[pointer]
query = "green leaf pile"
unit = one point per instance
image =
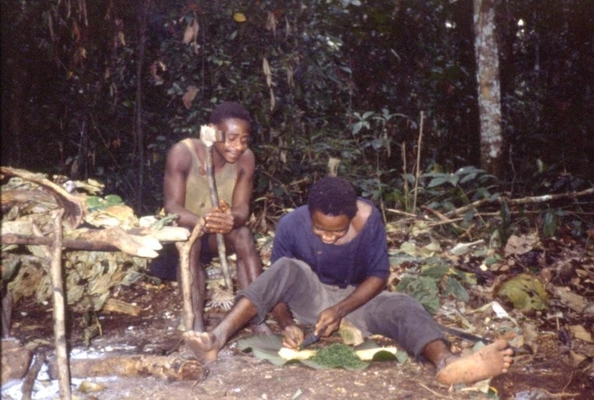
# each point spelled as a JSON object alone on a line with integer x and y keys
{"x": 338, "y": 355}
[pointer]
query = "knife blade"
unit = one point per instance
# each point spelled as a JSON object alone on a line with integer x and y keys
{"x": 311, "y": 338}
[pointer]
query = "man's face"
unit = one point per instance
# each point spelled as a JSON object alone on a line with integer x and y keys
{"x": 330, "y": 228}
{"x": 237, "y": 135}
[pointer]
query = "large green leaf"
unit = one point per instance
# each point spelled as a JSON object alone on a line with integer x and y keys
{"x": 266, "y": 347}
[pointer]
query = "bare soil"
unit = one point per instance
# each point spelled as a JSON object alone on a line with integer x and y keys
{"x": 547, "y": 374}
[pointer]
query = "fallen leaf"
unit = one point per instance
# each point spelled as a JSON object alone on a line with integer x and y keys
{"x": 576, "y": 357}
{"x": 570, "y": 299}
{"x": 464, "y": 248}
{"x": 89, "y": 387}
{"x": 239, "y": 17}
{"x": 517, "y": 245}
{"x": 525, "y": 292}
{"x": 499, "y": 310}
{"x": 579, "y": 332}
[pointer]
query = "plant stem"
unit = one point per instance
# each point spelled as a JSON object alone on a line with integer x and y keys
{"x": 418, "y": 168}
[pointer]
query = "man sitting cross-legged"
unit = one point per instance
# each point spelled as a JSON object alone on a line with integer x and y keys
{"x": 330, "y": 261}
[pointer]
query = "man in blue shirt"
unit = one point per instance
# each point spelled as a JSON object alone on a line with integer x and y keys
{"x": 330, "y": 262}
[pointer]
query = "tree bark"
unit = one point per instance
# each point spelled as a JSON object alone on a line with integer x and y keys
{"x": 489, "y": 88}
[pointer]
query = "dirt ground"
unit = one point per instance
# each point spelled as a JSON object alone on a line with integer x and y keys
{"x": 547, "y": 374}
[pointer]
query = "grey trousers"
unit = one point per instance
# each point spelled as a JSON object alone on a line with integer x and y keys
{"x": 394, "y": 315}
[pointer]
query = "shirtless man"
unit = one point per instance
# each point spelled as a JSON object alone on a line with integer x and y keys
{"x": 187, "y": 195}
{"x": 330, "y": 261}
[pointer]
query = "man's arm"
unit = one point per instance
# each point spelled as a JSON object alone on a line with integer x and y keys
{"x": 378, "y": 270}
{"x": 223, "y": 220}
{"x": 177, "y": 168}
{"x": 329, "y": 319}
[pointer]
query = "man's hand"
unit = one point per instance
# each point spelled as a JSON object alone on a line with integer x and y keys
{"x": 292, "y": 336}
{"x": 219, "y": 220}
{"x": 328, "y": 322}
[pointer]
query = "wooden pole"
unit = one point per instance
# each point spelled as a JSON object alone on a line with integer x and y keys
{"x": 208, "y": 136}
{"x": 184, "y": 249}
{"x": 59, "y": 311}
{"x": 214, "y": 199}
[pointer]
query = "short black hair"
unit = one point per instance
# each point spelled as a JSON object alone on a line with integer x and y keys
{"x": 229, "y": 109}
{"x": 333, "y": 196}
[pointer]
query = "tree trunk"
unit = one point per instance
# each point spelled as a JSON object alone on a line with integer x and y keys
{"x": 142, "y": 19}
{"x": 489, "y": 94}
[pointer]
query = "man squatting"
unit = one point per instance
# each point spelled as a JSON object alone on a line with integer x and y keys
{"x": 329, "y": 262}
{"x": 186, "y": 193}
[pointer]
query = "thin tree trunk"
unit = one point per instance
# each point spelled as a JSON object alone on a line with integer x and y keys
{"x": 142, "y": 17}
{"x": 489, "y": 92}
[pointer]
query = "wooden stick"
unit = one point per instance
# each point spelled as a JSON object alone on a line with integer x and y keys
{"x": 92, "y": 239}
{"x": 184, "y": 249}
{"x": 59, "y": 311}
{"x": 404, "y": 175}
{"x": 73, "y": 206}
{"x": 520, "y": 201}
{"x": 6, "y": 312}
{"x": 418, "y": 169}
{"x": 406, "y": 214}
{"x": 76, "y": 244}
{"x": 29, "y": 381}
{"x": 214, "y": 199}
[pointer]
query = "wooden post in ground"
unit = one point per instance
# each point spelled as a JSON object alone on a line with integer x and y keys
{"x": 59, "y": 311}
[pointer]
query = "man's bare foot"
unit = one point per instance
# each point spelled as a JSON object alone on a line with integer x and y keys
{"x": 491, "y": 360}
{"x": 203, "y": 344}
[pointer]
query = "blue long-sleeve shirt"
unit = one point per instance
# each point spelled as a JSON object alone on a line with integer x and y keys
{"x": 340, "y": 265}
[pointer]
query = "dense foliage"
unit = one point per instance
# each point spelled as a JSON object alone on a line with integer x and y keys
{"x": 344, "y": 79}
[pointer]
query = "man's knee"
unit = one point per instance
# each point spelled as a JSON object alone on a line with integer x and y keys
{"x": 395, "y": 306}
{"x": 289, "y": 266}
{"x": 243, "y": 238}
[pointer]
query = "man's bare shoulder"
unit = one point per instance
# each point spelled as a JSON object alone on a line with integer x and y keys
{"x": 364, "y": 210}
{"x": 179, "y": 156}
{"x": 247, "y": 161}
{"x": 182, "y": 146}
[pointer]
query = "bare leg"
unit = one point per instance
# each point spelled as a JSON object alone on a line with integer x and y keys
{"x": 249, "y": 264}
{"x": 249, "y": 267}
{"x": 492, "y": 360}
{"x": 206, "y": 345}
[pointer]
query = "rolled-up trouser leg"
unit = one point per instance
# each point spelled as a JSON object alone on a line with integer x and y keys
{"x": 287, "y": 281}
{"x": 401, "y": 318}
